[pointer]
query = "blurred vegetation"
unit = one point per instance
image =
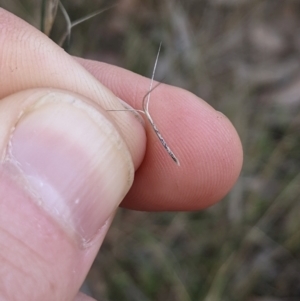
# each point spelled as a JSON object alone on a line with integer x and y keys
{"x": 243, "y": 57}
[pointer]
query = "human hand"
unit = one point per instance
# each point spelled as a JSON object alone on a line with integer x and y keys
{"x": 67, "y": 163}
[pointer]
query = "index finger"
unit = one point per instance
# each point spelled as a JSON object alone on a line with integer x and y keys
{"x": 204, "y": 140}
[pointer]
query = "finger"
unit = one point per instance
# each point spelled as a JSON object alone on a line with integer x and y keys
{"x": 30, "y": 60}
{"x": 203, "y": 139}
{"x": 64, "y": 170}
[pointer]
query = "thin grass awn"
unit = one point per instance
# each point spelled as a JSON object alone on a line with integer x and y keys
{"x": 145, "y": 111}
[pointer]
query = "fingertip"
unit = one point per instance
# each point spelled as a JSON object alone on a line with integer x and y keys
{"x": 207, "y": 146}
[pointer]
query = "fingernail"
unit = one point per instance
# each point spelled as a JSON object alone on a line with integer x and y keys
{"x": 73, "y": 161}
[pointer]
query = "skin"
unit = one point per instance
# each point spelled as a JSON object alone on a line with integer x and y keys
{"x": 203, "y": 139}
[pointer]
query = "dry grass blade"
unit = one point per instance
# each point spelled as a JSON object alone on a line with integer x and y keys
{"x": 71, "y": 24}
{"x": 49, "y": 9}
{"x": 67, "y": 33}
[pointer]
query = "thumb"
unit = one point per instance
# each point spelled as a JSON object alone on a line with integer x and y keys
{"x": 64, "y": 170}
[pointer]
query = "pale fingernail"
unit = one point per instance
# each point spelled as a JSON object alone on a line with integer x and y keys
{"x": 73, "y": 160}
